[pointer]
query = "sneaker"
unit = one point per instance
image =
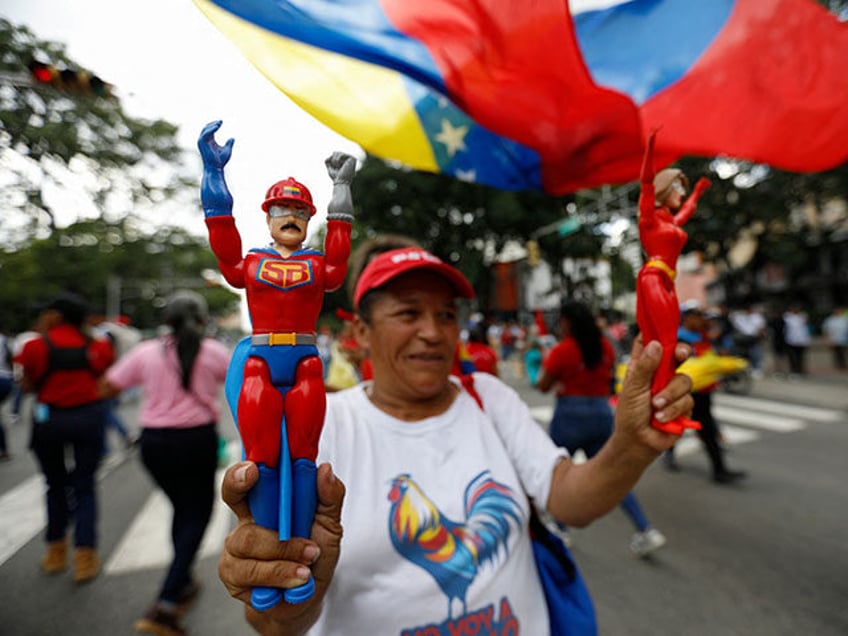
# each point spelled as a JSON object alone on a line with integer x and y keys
{"x": 55, "y": 560}
{"x": 647, "y": 541}
{"x": 86, "y": 564}
{"x": 159, "y": 622}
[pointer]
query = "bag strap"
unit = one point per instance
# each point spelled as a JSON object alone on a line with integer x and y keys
{"x": 538, "y": 531}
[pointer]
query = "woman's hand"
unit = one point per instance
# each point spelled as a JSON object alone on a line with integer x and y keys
{"x": 254, "y": 556}
{"x": 636, "y": 406}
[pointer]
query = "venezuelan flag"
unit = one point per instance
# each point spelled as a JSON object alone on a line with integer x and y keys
{"x": 526, "y": 94}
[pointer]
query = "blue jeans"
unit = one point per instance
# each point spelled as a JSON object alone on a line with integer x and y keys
{"x": 586, "y": 422}
{"x": 5, "y": 390}
{"x": 71, "y": 493}
{"x": 183, "y": 461}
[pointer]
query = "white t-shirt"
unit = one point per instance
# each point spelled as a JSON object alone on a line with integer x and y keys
{"x": 796, "y": 332}
{"x": 435, "y": 516}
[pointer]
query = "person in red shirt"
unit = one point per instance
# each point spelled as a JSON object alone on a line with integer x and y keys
{"x": 62, "y": 367}
{"x": 581, "y": 367}
{"x": 662, "y": 213}
{"x": 484, "y": 357}
{"x": 283, "y": 378}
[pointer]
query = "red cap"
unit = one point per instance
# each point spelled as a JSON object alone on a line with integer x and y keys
{"x": 389, "y": 265}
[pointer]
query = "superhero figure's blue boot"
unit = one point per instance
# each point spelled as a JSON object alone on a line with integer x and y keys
{"x": 263, "y": 500}
{"x": 305, "y": 499}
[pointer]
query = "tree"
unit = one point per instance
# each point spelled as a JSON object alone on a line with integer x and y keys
{"x": 96, "y": 156}
{"x": 109, "y": 263}
{"x": 462, "y": 223}
{"x": 52, "y": 140}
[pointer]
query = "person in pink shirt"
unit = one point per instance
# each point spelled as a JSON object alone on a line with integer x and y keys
{"x": 180, "y": 375}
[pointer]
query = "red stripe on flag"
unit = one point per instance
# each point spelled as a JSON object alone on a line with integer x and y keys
{"x": 518, "y": 72}
{"x": 771, "y": 88}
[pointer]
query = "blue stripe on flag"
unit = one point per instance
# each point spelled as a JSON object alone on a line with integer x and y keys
{"x": 356, "y": 28}
{"x": 641, "y": 47}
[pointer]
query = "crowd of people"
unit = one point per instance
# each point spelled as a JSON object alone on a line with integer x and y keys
{"x": 60, "y": 378}
{"x": 401, "y": 419}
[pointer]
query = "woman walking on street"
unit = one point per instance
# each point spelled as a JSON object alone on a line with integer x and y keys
{"x": 581, "y": 366}
{"x": 180, "y": 375}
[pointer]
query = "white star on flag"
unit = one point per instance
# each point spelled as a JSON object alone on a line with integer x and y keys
{"x": 452, "y": 137}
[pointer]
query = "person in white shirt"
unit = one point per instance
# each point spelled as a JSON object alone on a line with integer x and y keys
{"x": 750, "y": 327}
{"x": 431, "y": 488}
{"x": 835, "y": 329}
{"x": 797, "y": 336}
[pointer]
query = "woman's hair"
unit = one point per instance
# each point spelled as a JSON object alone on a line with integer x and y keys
{"x": 186, "y": 313}
{"x": 664, "y": 181}
{"x": 584, "y": 329}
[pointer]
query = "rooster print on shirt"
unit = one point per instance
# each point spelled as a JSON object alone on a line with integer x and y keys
{"x": 452, "y": 551}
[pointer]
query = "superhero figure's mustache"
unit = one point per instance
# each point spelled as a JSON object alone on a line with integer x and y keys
{"x": 291, "y": 226}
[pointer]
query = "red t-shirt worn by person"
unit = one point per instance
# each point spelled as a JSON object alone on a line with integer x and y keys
{"x": 483, "y": 356}
{"x": 565, "y": 363}
{"x": 66, "y": 388}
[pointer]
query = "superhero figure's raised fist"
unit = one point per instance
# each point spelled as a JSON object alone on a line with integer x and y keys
{"x": 341, "y": 168}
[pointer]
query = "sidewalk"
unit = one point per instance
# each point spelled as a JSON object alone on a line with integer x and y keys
{"x": 816, "y": 389}
{"x": 823, "y": 385}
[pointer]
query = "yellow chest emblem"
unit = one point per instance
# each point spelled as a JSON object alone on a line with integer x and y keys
{"x": 284, "y": 274}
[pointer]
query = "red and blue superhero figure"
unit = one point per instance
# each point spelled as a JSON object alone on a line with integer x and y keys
{"x": 281, "y": 400}
{"x": 662, "y": 212}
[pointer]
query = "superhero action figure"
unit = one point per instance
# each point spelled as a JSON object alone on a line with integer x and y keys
{"x": 662, "y": 212}
{"x": 277, "y": 372}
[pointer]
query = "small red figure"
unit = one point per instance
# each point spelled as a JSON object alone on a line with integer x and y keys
{"x": 282, "y": 401}
{"x": 662, "y": 212}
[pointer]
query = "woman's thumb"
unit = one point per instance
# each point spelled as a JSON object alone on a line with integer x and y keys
{"x": 331, "y": 492}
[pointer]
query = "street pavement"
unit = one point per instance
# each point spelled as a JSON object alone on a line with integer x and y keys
{"x": 766, "y": 556}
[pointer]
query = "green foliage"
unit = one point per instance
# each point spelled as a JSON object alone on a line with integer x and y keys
{"x": 457, "y": 221}
{"x": 98, "y": 261}
{"x": 55, "y": 141}
{"x": 106, "y": 263}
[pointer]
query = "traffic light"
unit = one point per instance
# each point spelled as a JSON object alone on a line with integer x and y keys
{"x": 532, "y": 253}
{"x": 68, "y": 81}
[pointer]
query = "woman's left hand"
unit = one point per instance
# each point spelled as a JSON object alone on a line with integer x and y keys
{"x": 636, "y": 406}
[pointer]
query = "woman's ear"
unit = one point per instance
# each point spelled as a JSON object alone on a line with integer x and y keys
{"x": 361, "y": 331}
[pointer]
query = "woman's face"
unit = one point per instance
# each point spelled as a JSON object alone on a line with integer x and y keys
{"x": 412, "y": 336}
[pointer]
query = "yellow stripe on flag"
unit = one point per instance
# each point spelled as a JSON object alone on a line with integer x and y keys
{"x": 365, "y": 103}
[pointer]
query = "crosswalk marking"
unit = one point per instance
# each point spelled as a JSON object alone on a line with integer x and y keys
{"x": 22, "y": 509}
{"x": 808, "y": 413}
{"x": 20, "y": 520}
{"x": 147, "y": 542}
{"x": 764, "y": 421}
{"x": 689, "y": 442}
{"x": 737, "y": 416}
{"x": 778, "y": 417}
